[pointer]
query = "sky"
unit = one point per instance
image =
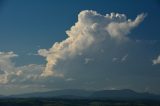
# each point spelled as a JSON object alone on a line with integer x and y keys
{"x": 67, "y": 44}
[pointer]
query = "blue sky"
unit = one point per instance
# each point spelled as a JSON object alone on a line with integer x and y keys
{"x": 27, "y": 26}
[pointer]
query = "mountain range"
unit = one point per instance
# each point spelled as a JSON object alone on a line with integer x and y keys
{"x": 124, "y": 94}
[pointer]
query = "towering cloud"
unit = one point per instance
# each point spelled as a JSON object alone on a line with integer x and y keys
{"x": 91, "y": 30}
{"x": 96, "y": 50}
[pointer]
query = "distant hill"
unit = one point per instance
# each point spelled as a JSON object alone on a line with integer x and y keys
{"x": 84, "y": 94}
{"x": 125, "y": 94}
{"x": 67, "y": 93}
{"x": 1, "y": 96}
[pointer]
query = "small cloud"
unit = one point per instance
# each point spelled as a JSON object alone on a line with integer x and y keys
{"x": 70, "y": 79}
{"x": 114, "y": 59}
{"x": 124, "y": 58}
{"x": 43, "y": 52}
{"x": 156, "y": 61}
{"x": 87, "y": 60}
{"x": 32, "y": 54}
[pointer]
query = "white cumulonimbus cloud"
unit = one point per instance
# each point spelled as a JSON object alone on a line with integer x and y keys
{"x": 91, "y": 29}
{"x": 91, "y": 43}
